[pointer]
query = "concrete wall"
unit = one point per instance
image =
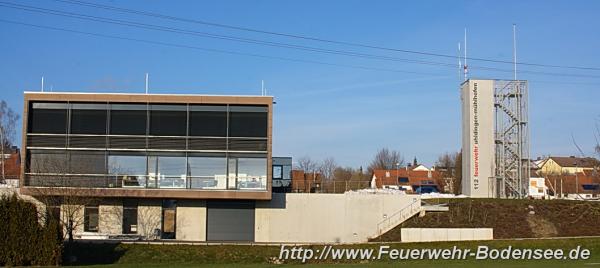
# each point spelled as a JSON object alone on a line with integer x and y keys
{"x": 325, "y": 218}
{"x": 446, "y": 234}
{"x": 478, "y": 137}
{"x": 191, "y": 220}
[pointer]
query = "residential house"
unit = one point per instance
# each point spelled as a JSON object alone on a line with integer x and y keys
{"x": 555, "y": 165}
{"x": 412, "y": 179}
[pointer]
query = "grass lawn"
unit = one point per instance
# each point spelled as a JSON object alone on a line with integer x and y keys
{"x": 143, "y": 255}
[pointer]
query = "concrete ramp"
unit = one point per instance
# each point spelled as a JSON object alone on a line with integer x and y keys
{"x": 331, "y": 218}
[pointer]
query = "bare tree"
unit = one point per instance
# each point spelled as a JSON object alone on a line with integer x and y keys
{"x": 149, "y": 219}
{"x": 56, "y": 190}
{"x": 327, "y": 168}
{"x": 8, "y": 125}
{"x": 306, "y": 164}
{"x": 386, "y": 159}
{"x": 458, "y": 169}
{"x": 450, "y": 166}
{"x": 343, "y": 173}
{"x": 597, "y": 136}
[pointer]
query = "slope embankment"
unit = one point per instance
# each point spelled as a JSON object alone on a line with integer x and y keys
{"x": 510, "y": 218}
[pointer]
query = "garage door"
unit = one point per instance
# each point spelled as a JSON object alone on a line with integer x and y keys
{"x": 230, "y": 221}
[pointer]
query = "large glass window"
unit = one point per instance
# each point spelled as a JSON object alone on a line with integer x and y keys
{"x": 208, "y": 120}
{"x": 167, "y": 171}
{"x": 168, "y": 120}
{"x": 277, "y": 172}
{"x": 208, "y": 172}
{"x": 248, "y": 121}
{"x": 88, "y": 118}
{"x": 128, "y": 119}
{"x": 130, "y": 169}
{"x": 90, "y": 222}
{"x": 84, "y": 162}
{"x": 251, "y": 171}
{"x": 42, "y": 161}
{"x": 48, "y": 118}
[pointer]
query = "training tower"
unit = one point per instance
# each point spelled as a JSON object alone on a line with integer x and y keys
{"x": 495, "y": 138}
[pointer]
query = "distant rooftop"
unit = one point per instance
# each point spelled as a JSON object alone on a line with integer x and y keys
{"x": 572, "y": 161}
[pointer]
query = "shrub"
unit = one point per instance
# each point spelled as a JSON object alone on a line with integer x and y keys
{"x": 25, "y": 241}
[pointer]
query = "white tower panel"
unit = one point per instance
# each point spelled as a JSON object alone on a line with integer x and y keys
{"x": 478, "y": 138}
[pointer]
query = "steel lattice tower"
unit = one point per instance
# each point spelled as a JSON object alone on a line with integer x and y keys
{"x": 511, "y": 136}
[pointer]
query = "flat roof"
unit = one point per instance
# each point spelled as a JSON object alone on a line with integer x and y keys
{"x": 147, "y": 98}
{"x": 140, "y": 94}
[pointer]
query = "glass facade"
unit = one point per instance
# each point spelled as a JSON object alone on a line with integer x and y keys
{"x": 252, "y": 173}
{"x": 159, "y": 146}
{"x": 129, "y": 169}
{"x": 128, "y": 119}
{"x": 88, "y": 118}
{"x": 168, "y": 120}
{"x": 208, "y": 172}
{"x": 48, "y": 118}
{"x": 167, "y": 171}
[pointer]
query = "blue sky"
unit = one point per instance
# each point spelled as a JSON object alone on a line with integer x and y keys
{"x": 324, "y": 110}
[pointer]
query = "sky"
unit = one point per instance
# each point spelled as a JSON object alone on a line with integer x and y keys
{"x": 328, "y": 105}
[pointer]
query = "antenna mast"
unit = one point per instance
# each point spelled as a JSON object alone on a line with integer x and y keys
{"x": 459, "y": 63}
{"x": 42, "y": 84}
{"x": 466, "y": 66}
{"x": 515, "y": 49}
{"x": 146, "y": 83}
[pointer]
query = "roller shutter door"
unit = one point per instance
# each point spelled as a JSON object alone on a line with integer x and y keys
{"x": 230, "y": 221}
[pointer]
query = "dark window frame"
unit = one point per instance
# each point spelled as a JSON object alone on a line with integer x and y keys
{"x": 90, "y": 211}
{"x": 49, "y": 123}
{"x": 128, "y": 110}
{"x": 167, "y": 120}
{"x": 88, "y": 112}
{"x": 248, "y": 121}
{"x": 201, "y": 115}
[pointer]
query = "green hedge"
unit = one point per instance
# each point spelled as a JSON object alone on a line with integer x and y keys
{"x": 25, "y": 241}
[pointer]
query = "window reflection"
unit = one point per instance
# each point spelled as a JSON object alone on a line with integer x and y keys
{"x": 167, "y": 171}
{"x": 207, "y": 172}
{"x": 130, "y": 169}
{"x": 251, "y": 173}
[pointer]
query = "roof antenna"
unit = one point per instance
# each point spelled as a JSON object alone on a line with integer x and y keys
{"x": 515, "y": 49}
{"x": 262, "y": 87}
{"x": 146, "y": 83}
{"x": 42, "y": 84}
{"x": 459, "y": 62}
{"x": 465, "y": 65}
